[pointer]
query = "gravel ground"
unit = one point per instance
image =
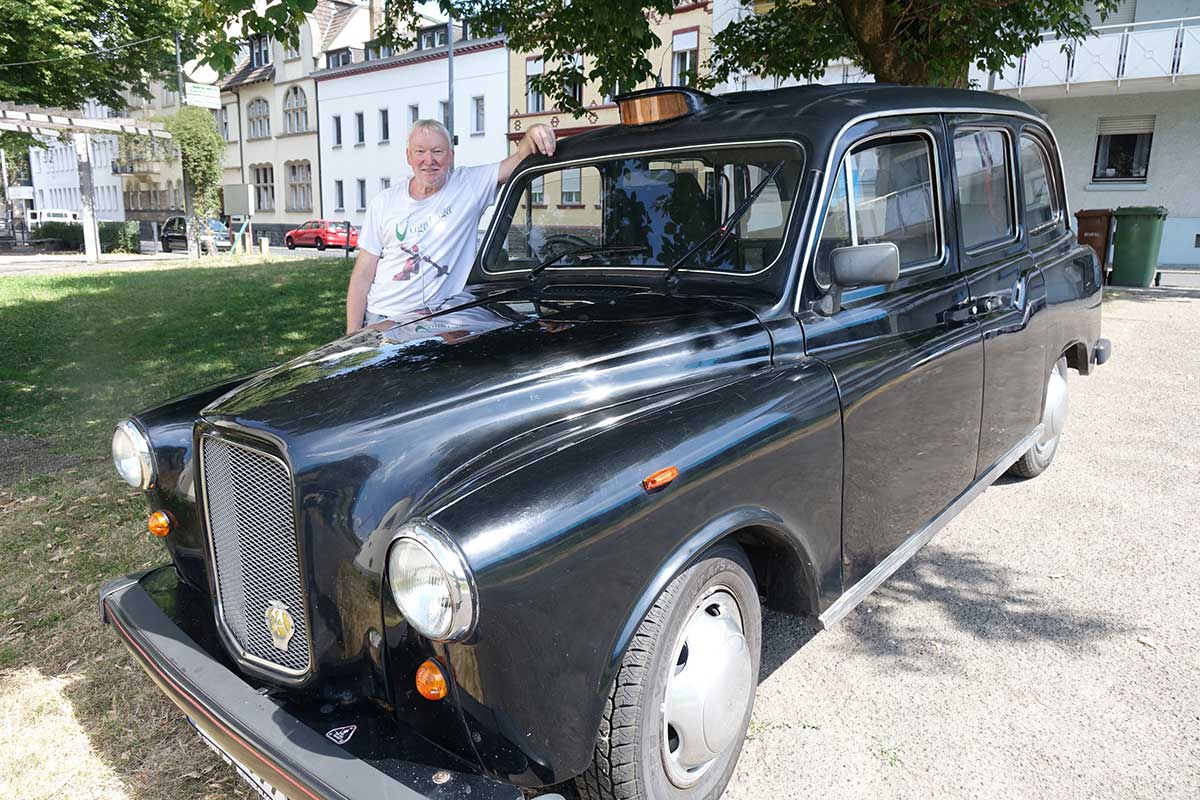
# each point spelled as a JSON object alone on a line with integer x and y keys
{"x": 1045, "y": 643}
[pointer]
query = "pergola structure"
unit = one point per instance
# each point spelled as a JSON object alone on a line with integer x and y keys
{"x": 27, "y": 119}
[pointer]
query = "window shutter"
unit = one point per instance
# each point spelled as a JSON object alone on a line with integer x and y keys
{"x": 1112, "y": 126}
{"x": 685, "y": 41}
{"x": 534, "y": 67}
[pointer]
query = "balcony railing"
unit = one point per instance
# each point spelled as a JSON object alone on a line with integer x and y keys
{"x": 135, "y": 167}
{"x": 1162, "y": 49}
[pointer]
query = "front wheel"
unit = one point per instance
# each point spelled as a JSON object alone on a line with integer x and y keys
{"x": 1054, "y": 417}
{"x": 320, "y": 243}
{"x": 680, "y": 704}
{"x": 290, "y": 242}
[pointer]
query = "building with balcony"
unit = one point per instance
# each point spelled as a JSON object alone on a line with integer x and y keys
{"x": 1125, "y": 106}
{"x": 368, "y": 106}
{"x": 268, "y": 114}
{"x": 150, "y": 173}
{"x": 54, "y": 170}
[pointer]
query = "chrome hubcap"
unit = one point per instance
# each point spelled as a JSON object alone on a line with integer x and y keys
{"x": 710, "y": 684}
{"x": 1054, "y": 416}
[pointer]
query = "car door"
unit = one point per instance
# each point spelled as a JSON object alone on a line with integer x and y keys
{"x": 304, "y": 233}
{"x": 907, "y": 358}
{"x": 1007, "y": 290}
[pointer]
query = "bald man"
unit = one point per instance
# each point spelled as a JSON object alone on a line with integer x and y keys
{"x": 418, "y": 239}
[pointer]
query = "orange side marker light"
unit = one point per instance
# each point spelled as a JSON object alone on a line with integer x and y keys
{"x": 159, "y": 523}
{"x": 431, "y": 683}
{"x": 660, "y": 479}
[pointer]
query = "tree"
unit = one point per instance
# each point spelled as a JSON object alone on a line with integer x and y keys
{"x": 59, "y": 53}
{"x": 201, "y": 154}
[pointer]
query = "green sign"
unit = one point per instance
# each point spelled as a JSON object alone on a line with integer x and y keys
{"x": 201, "y": 94}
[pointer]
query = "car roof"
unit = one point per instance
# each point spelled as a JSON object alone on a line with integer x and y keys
{"x": 816, "y": 112}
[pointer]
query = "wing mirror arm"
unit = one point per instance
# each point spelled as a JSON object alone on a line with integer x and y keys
{"x": 859, "y": 265}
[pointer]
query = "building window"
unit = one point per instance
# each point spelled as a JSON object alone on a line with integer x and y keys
{"x": 1123, "y": 149}
{"x": 258, "y": 117}
{"x": 360, "y": 128}
{"x": 444, "y": 112}
{"x": 264, "y": 186}
{"x": 537, "y": 191}
{"x": 535, "y": 101}
{"x": 477, "y": 115}
{"x": 385, "y": 184}
{"x": 260, "y": 51}
{"x": 221, "y": 115}
{"x": 168, "y": 96}
{"x": 299, "y": 184}
{"x": 339, "y": 196}
{"x": 383, "y": 125}
{"x": 414, "y": 113}
{"x": 337, "y": 131}
{"x": 338, "y": 58}
{"x": 575, "y": 85}
{"x": 291, "y": 51}
{"x": 362, "y": 194}
{"x": 685, "y": 59}
{"x": 571, "y": 193}
{"x": 376, "y": 51}
{"x": 433, "y": 37}
{"x": 295, "y": 110}
{"x": 984, "y": 174}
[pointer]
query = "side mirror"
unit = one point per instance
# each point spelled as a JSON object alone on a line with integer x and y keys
{"x": 859, "y": 265}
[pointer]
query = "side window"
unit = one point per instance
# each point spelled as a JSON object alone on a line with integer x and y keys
{"x": 985, "y": 203}
{"x": 1041, "y": 201}
{"x": 884, "y": 192}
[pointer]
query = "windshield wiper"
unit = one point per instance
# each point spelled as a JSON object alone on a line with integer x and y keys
{"x": 588, "y": 250}
{"x": 725, "y": 230}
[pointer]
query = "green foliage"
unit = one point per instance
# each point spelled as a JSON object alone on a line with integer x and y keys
{"x": 69, "y": 233}
{"x": 61, "y": 35}
{"x": 115, "y": 237}
{"x": 202, "y": 152}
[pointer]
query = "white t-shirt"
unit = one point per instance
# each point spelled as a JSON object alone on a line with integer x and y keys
{"x": 425, "y": 247}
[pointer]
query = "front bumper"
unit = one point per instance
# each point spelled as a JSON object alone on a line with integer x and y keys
{"x": 274, "y": 737}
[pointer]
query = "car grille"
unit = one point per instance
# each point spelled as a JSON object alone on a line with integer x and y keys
{"x": 248, "y": 501}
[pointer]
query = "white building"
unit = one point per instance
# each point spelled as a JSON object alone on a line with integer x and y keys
{"x": 1125, "y": 106}
{"x": 54, "y": 169}
{"x": 367, "y": 107}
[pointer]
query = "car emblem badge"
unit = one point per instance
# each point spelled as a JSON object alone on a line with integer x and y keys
{"x": 341, "y": 735}
{"x": 280, "y": 624}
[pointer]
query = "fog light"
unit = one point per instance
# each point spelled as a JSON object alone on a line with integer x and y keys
{"x": 159, "y": 523}
{"x": 431, "y": 683}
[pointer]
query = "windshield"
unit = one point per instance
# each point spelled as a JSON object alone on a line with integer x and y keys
{"x": 217, "y": 226}
{"x": 650, "y": 211}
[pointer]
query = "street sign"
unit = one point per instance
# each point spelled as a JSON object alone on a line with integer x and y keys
{"x": 201, "y": 94}
{"x": 239, "y": 199}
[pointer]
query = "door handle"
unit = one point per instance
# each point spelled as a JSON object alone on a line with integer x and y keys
{"x": 959, "y": 315}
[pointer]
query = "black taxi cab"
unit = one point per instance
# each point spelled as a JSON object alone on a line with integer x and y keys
{"x": 738, "y": 350}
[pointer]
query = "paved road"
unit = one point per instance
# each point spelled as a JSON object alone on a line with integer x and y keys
{"x": 1045, "y": 644}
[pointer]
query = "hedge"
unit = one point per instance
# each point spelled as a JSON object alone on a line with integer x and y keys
{"x": 115, "y": 237}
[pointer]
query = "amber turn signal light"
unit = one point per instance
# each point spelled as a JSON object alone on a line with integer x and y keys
{"x": 431, "y": 683}
{"x": 159, "y": 523}
{"x": 660, "y": 479}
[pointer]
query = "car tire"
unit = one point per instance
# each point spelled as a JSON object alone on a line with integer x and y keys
{"x": 1054, "y": 416}
{"x": 291, "y": 244}
{"x": 697, "y": 647}
{"x": 166, "y": 246}
{"x": 320, "y": 243}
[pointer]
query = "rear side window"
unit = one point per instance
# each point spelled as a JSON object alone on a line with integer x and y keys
{"x": 981, "y": 163}
{"x": 1041, "y": 201}
{"x": 884, "y": 192}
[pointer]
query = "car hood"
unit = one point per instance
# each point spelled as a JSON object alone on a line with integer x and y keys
{"x": 422, "y": 398}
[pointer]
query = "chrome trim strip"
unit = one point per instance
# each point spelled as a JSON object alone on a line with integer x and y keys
{"x": 793, "y": 214}
{"x": 884, "y": 569}
{"x": 445, "y": 551}
{"x": 806, "y": 255}
{"x": 230, "y": 639}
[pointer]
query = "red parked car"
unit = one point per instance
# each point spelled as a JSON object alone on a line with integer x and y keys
{"x": 321, "y": 233}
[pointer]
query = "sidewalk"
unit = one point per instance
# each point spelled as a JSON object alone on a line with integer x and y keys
{"x": 59, "y": 263}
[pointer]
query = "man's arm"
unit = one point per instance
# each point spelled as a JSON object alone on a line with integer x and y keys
{"x": 360, "y": 283}
{"x": 539, "y": 139}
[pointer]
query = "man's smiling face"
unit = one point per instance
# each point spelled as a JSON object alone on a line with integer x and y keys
{"x": 431, "y": 158}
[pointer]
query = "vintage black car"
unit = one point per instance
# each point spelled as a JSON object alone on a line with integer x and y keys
{"x": 746, "y": 349}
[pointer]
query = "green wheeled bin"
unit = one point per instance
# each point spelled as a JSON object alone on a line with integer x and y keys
{"x": 1135, "y": 251}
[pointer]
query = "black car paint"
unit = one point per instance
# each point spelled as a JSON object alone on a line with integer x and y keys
{"x": 528, "y": 440}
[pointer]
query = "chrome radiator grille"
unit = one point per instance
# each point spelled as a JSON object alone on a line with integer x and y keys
{"x": 248, "y": 500}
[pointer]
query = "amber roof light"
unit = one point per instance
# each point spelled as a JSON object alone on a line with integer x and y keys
{"x": 660, "y": 105}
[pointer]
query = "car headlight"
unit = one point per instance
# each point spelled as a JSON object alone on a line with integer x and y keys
{"x": 431, "y": 583}
{"x": 131, "y": 455}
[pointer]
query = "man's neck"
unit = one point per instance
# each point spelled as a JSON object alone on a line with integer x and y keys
{"x": 420, "y": 191}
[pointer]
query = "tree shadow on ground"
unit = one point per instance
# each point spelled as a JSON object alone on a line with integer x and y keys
{"x": 963, "y": 594}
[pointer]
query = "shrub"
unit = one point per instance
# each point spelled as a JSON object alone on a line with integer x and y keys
{"x": 115, "y": 237}
{"x": 69, "y": 233}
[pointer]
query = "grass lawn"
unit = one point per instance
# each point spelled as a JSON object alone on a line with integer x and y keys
{"x": 77, "y": 353}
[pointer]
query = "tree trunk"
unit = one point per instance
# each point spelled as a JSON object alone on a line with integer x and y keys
{"x": 875, "y": 26}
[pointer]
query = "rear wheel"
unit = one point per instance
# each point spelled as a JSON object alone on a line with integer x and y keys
{"x": 320, "y": 243}
{"x": 1054, "y": 418}
{"x": 291, "y": 244}
{"x": 166, "y": 246}
{"x": 681, "y": 701}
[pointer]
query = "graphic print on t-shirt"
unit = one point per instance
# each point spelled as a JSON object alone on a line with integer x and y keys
{"x": 415, "y": 258}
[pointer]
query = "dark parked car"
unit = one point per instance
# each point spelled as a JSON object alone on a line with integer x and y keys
{"x": 762, "y": 346}
{"x": 173, "y": 235}
{"x": 321, "y": 233}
